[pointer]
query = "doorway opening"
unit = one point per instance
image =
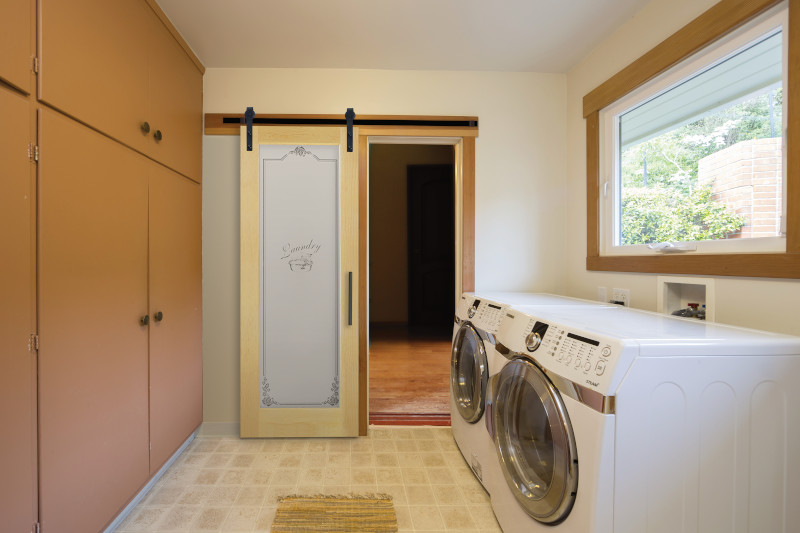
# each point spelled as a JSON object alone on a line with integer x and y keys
{"x": 412, "y": 281}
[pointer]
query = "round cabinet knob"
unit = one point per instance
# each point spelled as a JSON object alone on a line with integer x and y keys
{"x": 159, "y": 316}
{"x": 532, "y": 341}
{"x": 145, "y": 320}
{"x": 145, "y": 128}
{"x": 157, "y": 136}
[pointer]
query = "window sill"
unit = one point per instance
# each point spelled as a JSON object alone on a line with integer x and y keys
{"x": 774, "y": 265}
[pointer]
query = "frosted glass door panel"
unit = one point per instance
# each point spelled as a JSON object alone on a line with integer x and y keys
{"x": 299, "y": 258}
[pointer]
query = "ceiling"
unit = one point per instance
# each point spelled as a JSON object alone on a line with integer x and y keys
{"x": 493, "y": 35}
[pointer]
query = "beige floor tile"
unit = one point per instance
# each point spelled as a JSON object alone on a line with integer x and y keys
{"x": 362, "y": 444}
{"x": 317, "y": 445}
{"x": 312, "y": 476}
{"x": 257, "y": 477}
{"x": 193, "y": 459}
{"x": 195, "y": 495}
{"x": 243, "y": 460}
{"x": 362, "y": 476}
{"x": 314, "y": 460}
{"x": 484, "y": 517}
{"x": 397, "y": 492}
{"x": 337, "y": 475}
{"x": 432, "y": 460}
{"x": 388, "y": 476}
{"x": 386, "y": 459}
{"x": 339, "y": 459}
{"x": 223, "y": 495}
{"x": 210, "y": 519}
{"x": 143, "y": 519}
{"x": 383, "y": 446}
{"x": 241, "y": 519}
{"x": 164, "y": 496}
{"x": 441, "y": 476}
{"x": 420, "y": 495}
{"x": 448, "y": 495}
{"x": 457, "y": 518}
{"x": 218, "y": 460}
{"x": 232, "y": 477}
{"x": 409, "y": 460}
{"x": 358, "y": 459}
{"x": 285, "y": 476}
{"x": 252, "y": 496}
{"x": 403, "y": 518}
{"x": 406, "y": 446}
{"x": 208, "y": 477}
{"x": 265, "y": 460}
{"x": 475, "y": 495}
{"x": 272, "y": 446}
{"x": 179, "y": 518}
{"x": 265, "y": 518}
{"x": 339, "y": 445}
{"x": 414, "y": 476}
{"x": 403, "y": 433}
{"x": 204, "y": 445}
{"x": 426, "y": 517}
{"x": 290, "y": 460}
{"x": 428, "y": 445}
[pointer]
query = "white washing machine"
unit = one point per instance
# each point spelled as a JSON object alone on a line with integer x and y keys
{"x": 474, "y": 358}
{"x": 626, "y": 421}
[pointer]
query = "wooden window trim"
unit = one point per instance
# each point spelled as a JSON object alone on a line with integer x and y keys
{"x": 723, "y": 17}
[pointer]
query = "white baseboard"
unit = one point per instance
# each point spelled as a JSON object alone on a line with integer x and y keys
{"x": 142, "y": 493}
{"x": 219, "y": 429}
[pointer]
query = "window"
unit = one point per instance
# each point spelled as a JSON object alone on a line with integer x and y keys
{"x": 685, "y": 152}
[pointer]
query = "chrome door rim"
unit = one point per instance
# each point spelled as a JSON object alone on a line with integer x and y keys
{"x": 557, "y": 501}
{"x": 470, "y": 406}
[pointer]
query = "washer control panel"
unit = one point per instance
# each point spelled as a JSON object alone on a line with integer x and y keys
{"x": 487, "y": 315}
{"x": 484, "y": 314}
{"x": 585, "y": 359}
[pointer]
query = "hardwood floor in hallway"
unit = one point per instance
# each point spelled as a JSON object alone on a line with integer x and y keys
{"x": 409, "y": 372}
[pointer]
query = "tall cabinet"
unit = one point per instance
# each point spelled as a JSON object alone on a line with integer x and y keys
{"x": 17, "y": 316}
{"x": 100, "y": 315}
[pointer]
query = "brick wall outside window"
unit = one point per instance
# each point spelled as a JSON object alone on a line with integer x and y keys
{"x": 747, "y": 178}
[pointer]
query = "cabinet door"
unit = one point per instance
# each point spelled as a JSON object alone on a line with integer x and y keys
{"x": 176, "y": 104}
{"x": 17, "y": 42}
{"x": 93, "y": 401}
{"x": 94, "y": 64}
{"x": 176, "y": 376}
{"x": 17, "y": 363}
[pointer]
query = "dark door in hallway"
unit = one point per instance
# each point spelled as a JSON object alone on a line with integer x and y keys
{"x": 431, "y": 245}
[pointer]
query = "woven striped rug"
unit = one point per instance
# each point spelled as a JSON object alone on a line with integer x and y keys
{"x": 330, "y": 514}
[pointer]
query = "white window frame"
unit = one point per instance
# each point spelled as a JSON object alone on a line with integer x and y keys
{"x": 609, "y": 189}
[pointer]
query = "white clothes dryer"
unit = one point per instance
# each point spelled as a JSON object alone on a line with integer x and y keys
{"x": 624, "y": 421}
{"x": 474, "y": 359}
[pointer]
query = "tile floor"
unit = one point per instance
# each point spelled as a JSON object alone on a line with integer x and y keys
{"x": 226, "y": 484}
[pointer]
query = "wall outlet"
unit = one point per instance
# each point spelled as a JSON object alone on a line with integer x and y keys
{"x": 621, "y": 295}
{"x": 602, "y": 294}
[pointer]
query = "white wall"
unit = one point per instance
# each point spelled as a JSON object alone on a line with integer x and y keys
{"x": 763, "y": 304}
{"x": 520, "y": 169}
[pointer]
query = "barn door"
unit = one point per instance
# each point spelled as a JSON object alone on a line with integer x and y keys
{"x": 299, "y": 261}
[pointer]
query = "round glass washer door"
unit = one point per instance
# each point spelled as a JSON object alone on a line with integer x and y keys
{"x": 469, "y": 373}
{"x": 535, "y": 442}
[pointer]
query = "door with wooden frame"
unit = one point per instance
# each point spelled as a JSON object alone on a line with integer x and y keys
{"x": 299, "y": 283}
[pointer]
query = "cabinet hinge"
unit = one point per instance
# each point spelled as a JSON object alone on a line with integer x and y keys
{"x": 36, "y": 527}
{"x": 36, "y": 65}
{"x": 33, "y": 343}
{"x": 33, "y": 152}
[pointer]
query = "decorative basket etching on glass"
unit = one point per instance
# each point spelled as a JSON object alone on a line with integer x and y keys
{"x": 299, "y": 254}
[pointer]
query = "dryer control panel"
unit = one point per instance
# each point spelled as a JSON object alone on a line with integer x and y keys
{"x": 588, "y": 360}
